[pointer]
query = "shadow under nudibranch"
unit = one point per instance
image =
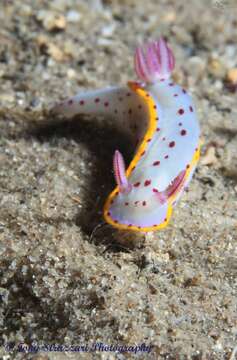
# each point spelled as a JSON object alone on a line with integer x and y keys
{"x": 101, "y": 139}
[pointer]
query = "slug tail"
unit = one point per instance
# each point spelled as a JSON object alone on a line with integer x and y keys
{"x": 100, "y": 102}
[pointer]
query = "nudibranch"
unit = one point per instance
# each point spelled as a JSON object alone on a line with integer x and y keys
{"x": 160, "y": 117}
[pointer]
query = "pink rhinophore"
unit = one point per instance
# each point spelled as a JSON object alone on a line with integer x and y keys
{"x": 119, "y": 173}
{"x": 154, "y": 61}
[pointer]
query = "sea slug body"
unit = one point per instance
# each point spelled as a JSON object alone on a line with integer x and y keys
{"x": 160, "y": 117}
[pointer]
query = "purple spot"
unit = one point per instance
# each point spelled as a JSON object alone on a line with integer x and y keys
{"x": 137, "y": 184}
{"x": 147, "y": 182}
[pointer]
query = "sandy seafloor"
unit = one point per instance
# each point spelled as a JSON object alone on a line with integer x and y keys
{"x": 174, "y": 289}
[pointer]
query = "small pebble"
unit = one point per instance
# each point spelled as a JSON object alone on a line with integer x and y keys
{"x": 71, "y": 73}
{"x": 197, "y": 66}
{"x": 231, "y": 76}
{"x": 210, "y": 156}
{"x": 216, "y": 68}
{"x": 169, "y": 17}
{"x": 51, "y": 21}
{"x": 108, "y": 30}
{"x": 55, "y": 52}
{"x": 73, "y": 16}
